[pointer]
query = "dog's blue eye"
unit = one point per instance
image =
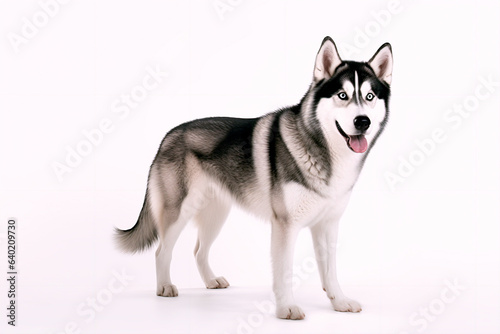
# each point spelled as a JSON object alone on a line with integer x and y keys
{"x": 342, "y": 95}
{"x": 370, "y": 97}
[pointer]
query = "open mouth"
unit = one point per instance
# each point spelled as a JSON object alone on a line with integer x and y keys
{"x": 356, "y": 143}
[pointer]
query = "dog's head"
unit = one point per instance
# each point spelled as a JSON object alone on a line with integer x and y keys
{"x": 351, "y": 98}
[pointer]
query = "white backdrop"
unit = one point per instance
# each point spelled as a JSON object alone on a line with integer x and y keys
{"x": 420, "y": 240}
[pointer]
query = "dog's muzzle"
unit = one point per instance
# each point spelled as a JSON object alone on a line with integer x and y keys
{"x": 357, "y": 143}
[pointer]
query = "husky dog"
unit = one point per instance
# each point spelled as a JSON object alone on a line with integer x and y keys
{"x": 295, "y": 167}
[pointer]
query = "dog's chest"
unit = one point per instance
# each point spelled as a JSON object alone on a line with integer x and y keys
{"x": 307, "y": 207}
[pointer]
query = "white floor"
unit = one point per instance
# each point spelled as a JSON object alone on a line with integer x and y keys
{"x": 248, "y": 310}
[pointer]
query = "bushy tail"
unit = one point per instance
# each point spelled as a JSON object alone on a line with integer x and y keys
{"x": 142, "y": 235}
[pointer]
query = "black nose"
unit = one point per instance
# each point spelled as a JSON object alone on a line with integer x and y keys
{"x": 362, "y": 123}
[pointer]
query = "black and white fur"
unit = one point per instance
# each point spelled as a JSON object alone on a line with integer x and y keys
{"x": 295, "y": 167}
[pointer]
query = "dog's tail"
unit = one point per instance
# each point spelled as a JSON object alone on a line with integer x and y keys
{"x": 142, "y": 235}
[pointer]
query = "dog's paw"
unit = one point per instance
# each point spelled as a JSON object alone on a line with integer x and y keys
{"x": 292, "y": 312}
{"x": 217, "y": 283}
{"x": 346, "y": 305}
{"x": 167, "y": 290}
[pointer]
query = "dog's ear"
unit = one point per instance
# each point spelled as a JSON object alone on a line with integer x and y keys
{"x": 381, "y": 63}
{"x": 327, "y": 60}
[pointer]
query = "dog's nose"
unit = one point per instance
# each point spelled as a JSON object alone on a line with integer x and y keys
{"x": 362, "y": 123}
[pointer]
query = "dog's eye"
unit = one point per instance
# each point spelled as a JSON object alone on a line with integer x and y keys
{"x": 370, "y": 96}
{"x": 342, "y": 96}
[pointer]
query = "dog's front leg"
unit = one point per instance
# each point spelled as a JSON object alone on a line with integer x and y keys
{"x": 283, "y": 239}
{"x": 324, "y": 236}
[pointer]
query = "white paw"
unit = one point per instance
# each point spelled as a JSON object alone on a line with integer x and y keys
{"x": 346, "y": 305}
{"x": 292, "y": 312}
{"x": 167, "y": 290}
{"x": 217, "y": 283}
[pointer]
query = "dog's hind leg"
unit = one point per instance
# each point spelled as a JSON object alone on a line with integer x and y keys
{"x": 210, "y": 221}
{"x": 168, "y": 238}
{"x": 172, "y": 212}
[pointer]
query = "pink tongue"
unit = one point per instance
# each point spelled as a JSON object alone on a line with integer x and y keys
{"x": 358, "y": 143}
